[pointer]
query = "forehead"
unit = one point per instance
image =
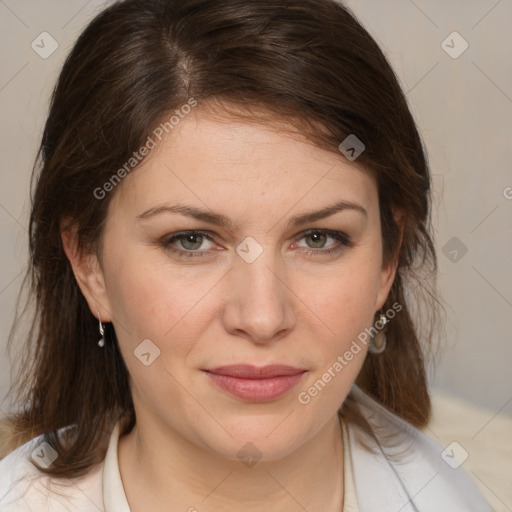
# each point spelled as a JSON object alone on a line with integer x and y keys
{"x": 224, "y": 161}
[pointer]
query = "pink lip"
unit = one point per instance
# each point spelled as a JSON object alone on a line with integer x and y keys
{"x": 256, "y": 384}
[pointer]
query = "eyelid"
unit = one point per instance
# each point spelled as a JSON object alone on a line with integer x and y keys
{"x": 337, "y": 235}
{"x": 168, "y": 239}
{"x": 343, "y": 241}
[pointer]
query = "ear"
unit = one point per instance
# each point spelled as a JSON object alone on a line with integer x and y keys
{"x": 88, "y": 274}
{"x": 388, "y": 272}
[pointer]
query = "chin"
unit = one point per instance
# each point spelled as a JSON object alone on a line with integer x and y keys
{"x": 267, "y": 442}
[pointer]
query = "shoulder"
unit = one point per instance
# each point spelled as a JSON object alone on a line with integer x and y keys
{"x": 406, "y": 468}
{"x": 23, "y": 487}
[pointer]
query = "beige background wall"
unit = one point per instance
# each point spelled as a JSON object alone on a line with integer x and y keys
{"x": 463, "y": 106}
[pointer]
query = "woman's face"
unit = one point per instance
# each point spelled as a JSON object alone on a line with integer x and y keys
{"x": 261, "y": 288}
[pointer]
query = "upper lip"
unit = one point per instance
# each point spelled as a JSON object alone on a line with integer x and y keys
{"x": 248, "y": 371}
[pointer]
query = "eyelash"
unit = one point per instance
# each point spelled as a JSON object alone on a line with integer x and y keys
{"x": 342, "y": 239}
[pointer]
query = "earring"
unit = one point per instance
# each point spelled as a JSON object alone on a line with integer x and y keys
{"x": 378, "y": 341}
{"x": 101, "y": 342}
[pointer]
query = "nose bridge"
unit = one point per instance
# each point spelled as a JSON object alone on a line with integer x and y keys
{"x": 261, "y": 302}
{"x": 259, "y": 268}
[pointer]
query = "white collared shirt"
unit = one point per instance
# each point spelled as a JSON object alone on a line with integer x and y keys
{"x": 374, "y": 481}
{"x": 102, "y": 489}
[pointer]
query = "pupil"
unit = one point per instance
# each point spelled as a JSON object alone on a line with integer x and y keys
{"x": 317, "y": 237}
{"x": 191, "y": 238}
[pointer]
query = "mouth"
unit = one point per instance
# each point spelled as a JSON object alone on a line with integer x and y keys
{"x": 256, "y": 384}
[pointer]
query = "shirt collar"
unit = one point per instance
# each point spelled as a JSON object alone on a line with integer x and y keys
{"x": 349, "y": 487}
{"x": 114, "y": 498}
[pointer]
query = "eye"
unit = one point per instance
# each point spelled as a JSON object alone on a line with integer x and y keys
{"x": 190, "y": 241}
{"x": 319, "y": 239}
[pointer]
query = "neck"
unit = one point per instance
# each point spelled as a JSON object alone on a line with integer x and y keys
{"x": 161, "y": 469}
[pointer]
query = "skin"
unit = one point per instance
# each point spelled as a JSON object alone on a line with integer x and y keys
{"x": 291, "y": 305}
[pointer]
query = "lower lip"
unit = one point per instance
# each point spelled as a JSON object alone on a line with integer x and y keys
{"x": 256, "y": 390}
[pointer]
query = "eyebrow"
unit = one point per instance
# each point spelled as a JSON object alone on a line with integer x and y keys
{"x": 218, "y": 219}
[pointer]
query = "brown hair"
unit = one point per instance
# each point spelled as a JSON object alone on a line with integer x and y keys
{"x": 308, "y": 63}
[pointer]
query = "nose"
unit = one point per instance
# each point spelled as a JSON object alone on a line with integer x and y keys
{"x": 259, "y": 302}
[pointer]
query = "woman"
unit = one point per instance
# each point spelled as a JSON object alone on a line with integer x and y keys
{"x": 232, "y": 206}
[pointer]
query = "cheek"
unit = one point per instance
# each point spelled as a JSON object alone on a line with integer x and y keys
{"x": 344, "y": 297}
{"x": 157, "y": 301}
{"x": 154, "y": 302}
{"x": 345, "y": 304}
{"x": 345, "y": 307}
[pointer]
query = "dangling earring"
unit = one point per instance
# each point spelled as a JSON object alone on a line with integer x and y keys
{"x": 378, "y": 342}
{"x": 101, "y": 342}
